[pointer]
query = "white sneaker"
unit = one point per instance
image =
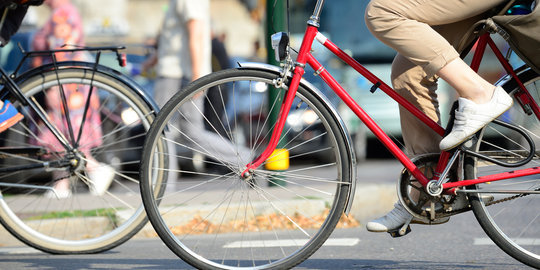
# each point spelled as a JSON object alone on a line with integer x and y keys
{"x": 101, "y": 177}
{"x": 57, "y": 194}
{"x": 61, "y": 188}
{"x": 471, "y": 117}
{"x": 393, "y": 220}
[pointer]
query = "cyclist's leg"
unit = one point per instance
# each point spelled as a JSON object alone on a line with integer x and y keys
{"x": 407, "y": 25}
{"x": 413, "y": 83}
{"x": 410, "y": 81}
{"x": 394, "y": 22}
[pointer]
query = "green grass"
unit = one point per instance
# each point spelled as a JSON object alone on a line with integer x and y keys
{"x": 103, "y": 212}
{"x": 308, "y": 197}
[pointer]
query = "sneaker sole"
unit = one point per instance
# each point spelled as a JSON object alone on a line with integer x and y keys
{"x": 11, "y": 122}
{"x": 464, "y": 140}
{"x": 413, "y": 221}
{"x": 436, "y": 222}
{"x": 377, "y": 231}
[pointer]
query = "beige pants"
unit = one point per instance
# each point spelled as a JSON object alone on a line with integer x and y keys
{"x": 426, "y": 34}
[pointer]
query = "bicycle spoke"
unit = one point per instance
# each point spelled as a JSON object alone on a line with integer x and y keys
{"x": 254, "y": 218}
{"x": 102, "y": 169}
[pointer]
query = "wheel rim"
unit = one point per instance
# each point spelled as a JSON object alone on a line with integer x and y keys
{"x": 248, "y": 224}
{"x": 511, "y": 220}
{"x": 82, "y": 222}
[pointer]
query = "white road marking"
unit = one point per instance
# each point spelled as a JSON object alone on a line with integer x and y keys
{"x": 19, "y": 251}
{"x": 520, "y": 241}
{"x": 343, "y": 242}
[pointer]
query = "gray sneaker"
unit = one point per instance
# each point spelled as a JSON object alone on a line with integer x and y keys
{"x": 397, "y": 218}
{"x": 391, "y": 221}
{"x": 471, "y": 117}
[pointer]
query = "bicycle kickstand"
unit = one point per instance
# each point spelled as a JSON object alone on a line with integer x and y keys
{"x": 403, "y": 230}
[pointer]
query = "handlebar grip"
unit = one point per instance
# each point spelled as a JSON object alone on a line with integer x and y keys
{"x": 32, "y": 2}
{"x": 28, "y": 2}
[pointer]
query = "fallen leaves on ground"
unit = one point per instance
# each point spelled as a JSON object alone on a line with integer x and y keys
{"x": 274, "y": 221}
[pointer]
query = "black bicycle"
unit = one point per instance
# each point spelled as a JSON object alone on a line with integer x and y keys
{"x": 43, "y": 152}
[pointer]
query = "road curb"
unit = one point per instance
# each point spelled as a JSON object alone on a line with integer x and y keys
{"x": 370, "y": 201}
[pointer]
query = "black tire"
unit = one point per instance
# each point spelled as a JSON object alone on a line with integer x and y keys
{"x": 80, "y": 223}
{"x": 510, "y": 220}
{"x": 217, "y": 219}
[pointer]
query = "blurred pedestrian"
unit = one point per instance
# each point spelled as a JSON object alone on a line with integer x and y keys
{"x": 214, "y": 105}
{"x": 184, "y": 55}
{"x": 64, "y": 29}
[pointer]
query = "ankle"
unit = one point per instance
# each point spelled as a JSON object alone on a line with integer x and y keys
{"x": 481, "y": 95}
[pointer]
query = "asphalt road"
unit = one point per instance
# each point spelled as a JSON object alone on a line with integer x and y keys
{"x": 458, "y": 244}
{"x": 453, "y": 245}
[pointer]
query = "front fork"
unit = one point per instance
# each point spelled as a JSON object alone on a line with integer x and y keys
{"x": 298, "y": 72}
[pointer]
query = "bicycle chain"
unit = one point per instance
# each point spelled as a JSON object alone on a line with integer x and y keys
{"x": 506, "y": 199}
{"x": 458, "y": 211}
{"x": 461, "y": 210}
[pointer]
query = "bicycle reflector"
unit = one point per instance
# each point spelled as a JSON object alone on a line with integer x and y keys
{"x": 122, "y": 59}
{"x": 279, "y": 44}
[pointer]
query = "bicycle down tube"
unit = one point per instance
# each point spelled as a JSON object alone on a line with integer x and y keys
{"x": 484, "y": 40}
{"x": 305, "y": 57}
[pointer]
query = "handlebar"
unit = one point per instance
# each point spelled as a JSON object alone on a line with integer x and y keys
{"x": 31, "y": 2}
{"x": 17, "y": 10}
{"x": 17, "y": 3}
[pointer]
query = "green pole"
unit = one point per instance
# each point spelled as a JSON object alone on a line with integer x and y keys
{"x": 276, "y": 21}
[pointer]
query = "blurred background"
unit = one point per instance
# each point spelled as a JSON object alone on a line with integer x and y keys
{"x": 241, "y": 26}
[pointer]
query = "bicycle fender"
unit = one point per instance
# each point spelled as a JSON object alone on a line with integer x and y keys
{"x": 343, "y": 129}
{"x": 92, "y": 67}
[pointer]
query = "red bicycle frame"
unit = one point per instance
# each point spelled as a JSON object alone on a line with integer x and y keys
{"x": 305, "y": 57}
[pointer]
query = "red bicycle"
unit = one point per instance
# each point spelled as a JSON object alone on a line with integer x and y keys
{"x": 294, "y": 178}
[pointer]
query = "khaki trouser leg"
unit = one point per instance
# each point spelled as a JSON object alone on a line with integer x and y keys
{"x": 406, "y": 26}
{"x": 412, "y": 82}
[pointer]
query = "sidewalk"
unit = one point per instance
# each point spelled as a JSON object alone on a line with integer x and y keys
{"x": 375, "y": 195}
{"x": 370, "y": 201}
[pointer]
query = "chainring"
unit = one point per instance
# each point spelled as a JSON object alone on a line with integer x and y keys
{"x": 424, "y": 207}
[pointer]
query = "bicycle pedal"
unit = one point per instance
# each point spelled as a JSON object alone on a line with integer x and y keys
{"x": 399, "y": 232}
